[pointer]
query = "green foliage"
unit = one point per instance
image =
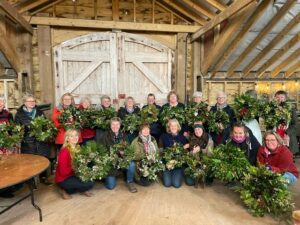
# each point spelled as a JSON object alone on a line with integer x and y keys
{"x": 246, "y": 107}
{"x": 70, "y": 118}
{"x": 87, "y": 117}
{"x": 150, "y": 166}
{"x": 173, "y": 156}
{"x": 216, "y": 118}
{"x": 43, "y": 129}
{"x": 263, "y": 192}
{"x": 121, "y": 155}
{"x": 10, "y": 135}
{"x": 102, "y": 117}
{"x": 196, "y": 167}
{"x": 131, "y": 122}
{"x": 275, "y": 114}
{"x": 227, "y": 163}
{"x": 149, "y": 114}
{"x": 92, "y": 162}
{"x": 172, "y": 113}
{"x": 196, "y": 112}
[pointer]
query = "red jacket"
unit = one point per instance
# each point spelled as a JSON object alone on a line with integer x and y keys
{"x": 281, "y": 161}
{"x": 61, "y": 131}
{"x": 87, "y": 132}
{"x": 64, "y": 168}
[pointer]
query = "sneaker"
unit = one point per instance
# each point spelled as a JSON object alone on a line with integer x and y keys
{"x": 131, "y": 187}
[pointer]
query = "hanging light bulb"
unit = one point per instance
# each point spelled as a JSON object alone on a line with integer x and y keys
{"x": 296, "y": 84}
{"x": 283, "y": 86}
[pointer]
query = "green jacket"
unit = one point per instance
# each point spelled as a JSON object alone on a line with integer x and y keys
{"x": 138, "y": 147}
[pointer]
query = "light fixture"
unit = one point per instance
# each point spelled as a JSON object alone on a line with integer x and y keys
{"x": 296, "y": 84}
{"x": 283, "y": 86}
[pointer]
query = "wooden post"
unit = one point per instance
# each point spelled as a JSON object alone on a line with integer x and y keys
{"x": 45, "y": 64}
{"x": 180, "y": 79}
{"x": 196, "y": 51}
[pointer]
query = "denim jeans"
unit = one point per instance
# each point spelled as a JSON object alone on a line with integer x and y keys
{"x": 173, "y": 177}
{"x": 110, "y": 181}
{"x": 74, "y": 184}
{"x": 144, "y": 182}
{"x": 291, "y": 178}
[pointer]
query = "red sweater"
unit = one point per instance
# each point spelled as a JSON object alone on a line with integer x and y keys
{"x": 281, "y": 161}
{"x": 64, "y": 168}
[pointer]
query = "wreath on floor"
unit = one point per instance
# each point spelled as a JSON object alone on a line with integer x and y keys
{"x": 195, "y": 167}
{"x": 10, "y": 135}
{"x": 121, "y": 155}
{"x": 149, "y": 114}
{"x": 149, "y": 167}
{"x": 227, "y": 163}
{"x": 70, "y": 118}
{"x": 43, "y": 129}
{"x": 216, "y": 118}
{"x": 246, "y": 107}
{"x": 172, "y": 113}
{"x": 264, "y": 191}
{"x": 173, "y": 156}
{"x": 92, "y": 162}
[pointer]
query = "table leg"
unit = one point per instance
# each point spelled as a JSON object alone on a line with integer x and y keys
{"x": 32, "y": 185}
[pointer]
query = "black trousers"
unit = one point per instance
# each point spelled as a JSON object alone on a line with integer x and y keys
{"x": 73, "y": 184}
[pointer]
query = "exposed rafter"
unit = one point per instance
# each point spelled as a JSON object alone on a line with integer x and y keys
{"x": 282, "y": 11}
{"x": 289, "y": 72}
{"x": 295, "y": 55}
{"x": 199, "y": 9}
{"x": 47, "y": 6}
{"x": 234, "y": 24}
{"x": 64, "y": 22}
{"x": 277, "y": 55}
{"x": 250, "y": 22}
{"x": 220, "y": 6}
{"x": 33, "y": 5}
{"x": 231, "y": 10}
{"x": 184, "y": 12}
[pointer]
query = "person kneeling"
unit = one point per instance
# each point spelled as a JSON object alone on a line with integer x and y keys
{"x": 65, "y": 175}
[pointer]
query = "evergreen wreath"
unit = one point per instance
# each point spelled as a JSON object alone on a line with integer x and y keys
{"x": 215, "y": 118}
{"x": 92, "y": 162}
{"x": 149, "y": 114}
{"x": 70, "y": 118}
{"x": 196, "y": 112}
{"x": 121, "y": 155}
{"x": 131, "y": 122}
{"x": 168, "y": 113}
{"x": 102, "y": 117}
{"x": 227, "y": 162}
{"x": 173, "y": 156}
{"x": 264, "y": 191}
{"x": 246, "y": 107}
{"x": 195, "y": 167}
{"x": 10, "y": 135}
{"x": 149, "y": 167}
{"x": 87, "y": 117}
{"x": 43, "y": 129}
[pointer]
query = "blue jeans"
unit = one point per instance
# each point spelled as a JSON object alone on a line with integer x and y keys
{"x": 291, "y": 178}
{"x": 144, "y": 182}
{"x": 73, "y": 184}
{"x": 110, "y": 181}
{"x": 173, "y": 177}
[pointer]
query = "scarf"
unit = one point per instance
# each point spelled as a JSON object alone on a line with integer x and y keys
{"x": 149, "y": 146}
{"x": 29, "y": 114}
{"x": 239, "y": 140}
{"x": 130, "y": 110}
{"x": 201, "y": 141}
{"x": 221, "y": 106}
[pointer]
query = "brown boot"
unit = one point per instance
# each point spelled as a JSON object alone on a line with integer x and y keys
{"x": 131, "y": 187}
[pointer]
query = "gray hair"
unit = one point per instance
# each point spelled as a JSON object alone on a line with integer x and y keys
{"x": 126, "y": 100}
{"x": 2, "y": 98}
{"x": 26, "y": 96}
{"x": 84, "y": 99}
{"x": 197, "y": 94}
{"x": 105, "y": 97}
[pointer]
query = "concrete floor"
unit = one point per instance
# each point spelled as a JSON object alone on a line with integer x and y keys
{"x": 215, "y": 205}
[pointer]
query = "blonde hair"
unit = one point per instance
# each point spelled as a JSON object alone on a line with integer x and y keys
{"x": 67, "y": 94}
{"x": 173, "y": 121}
{"x": 172, "y": 93}
{"x": 26, "y": 96}
{"x": 67, "y": 135}
{"x": 296, "y": 215}
{"x": 277, "y": 137}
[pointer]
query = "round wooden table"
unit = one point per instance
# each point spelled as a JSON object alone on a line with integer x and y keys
{"x": 19, "y": 168}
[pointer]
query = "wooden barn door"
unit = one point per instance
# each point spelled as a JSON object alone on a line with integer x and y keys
{"x": 114, "y": 63}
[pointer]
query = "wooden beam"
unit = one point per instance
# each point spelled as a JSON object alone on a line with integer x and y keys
{"x": 199, "y": 9}
{"x": 218, "y": 5}
{"x": 250, "y": 22}
{"x": 272, "y": 44}
{"x": 47, "y": 6}
{"x": 231, "y": 10}
{"x": 295, "y": 55}
{"x": 289, "y": 72}
{"x": 277, "y": 17}
{"x": 180, "y": 82}
{"x": 13, "y": 13}
{"x": 97, "y": 24}
{"x": 226, "y": 37}
{"x": 278, "y": 55}
{"x": 33, "y": 5}
{"x": 115, "y": 10}
{"x": 184, "y": 12}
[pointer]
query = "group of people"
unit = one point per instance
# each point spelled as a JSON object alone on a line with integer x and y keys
{"x": 270, "y": 151}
